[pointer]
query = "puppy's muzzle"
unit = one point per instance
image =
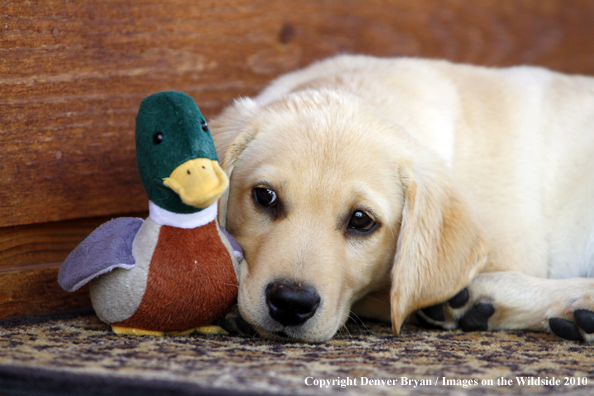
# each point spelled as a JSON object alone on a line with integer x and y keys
{"x": 291, "y": 303}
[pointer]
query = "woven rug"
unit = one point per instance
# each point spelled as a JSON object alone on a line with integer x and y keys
{"x": 76, "y": 354}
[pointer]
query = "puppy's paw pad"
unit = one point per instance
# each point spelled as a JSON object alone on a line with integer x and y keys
{"x": 584, "y": 319}
{"x": 458, "y": 311}
{"x": 565, "y": 329}
{"x": 435, "y": 312}
{"x": 460, "y": 299}
{"x": 477, "y": 317}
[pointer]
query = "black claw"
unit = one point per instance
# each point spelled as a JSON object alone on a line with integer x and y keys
{"x": 425, "y": 324}
{"x": 460, "y": 299}
{"x": 584, "y": 319}
{"x": 477, "y": 317}
{"x": 565, "y": 329}
{"x": 435, "y": 312}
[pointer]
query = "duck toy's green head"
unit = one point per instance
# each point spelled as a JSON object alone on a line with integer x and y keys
{"x": 175, "y": 154}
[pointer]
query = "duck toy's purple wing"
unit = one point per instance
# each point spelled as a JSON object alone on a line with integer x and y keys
{"x": 106, "y": 248}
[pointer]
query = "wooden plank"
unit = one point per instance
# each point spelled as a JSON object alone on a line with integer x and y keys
{"x": 34, "y": 244}
{"x": 36, "y": 291}
{"x": 72, "y": 73}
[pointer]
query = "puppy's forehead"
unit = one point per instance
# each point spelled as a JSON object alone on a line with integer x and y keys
{"x": 325, "y": 133}
{"x": 323, "y": 153}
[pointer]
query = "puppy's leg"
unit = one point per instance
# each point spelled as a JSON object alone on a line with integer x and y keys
{"x": 513, "y": 300}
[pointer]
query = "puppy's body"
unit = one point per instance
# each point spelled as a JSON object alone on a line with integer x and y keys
{"x": 462, "y": 169}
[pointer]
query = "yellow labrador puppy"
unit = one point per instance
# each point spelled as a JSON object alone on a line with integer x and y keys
{"x": 384, "y": 186}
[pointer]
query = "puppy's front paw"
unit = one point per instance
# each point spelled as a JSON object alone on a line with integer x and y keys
{"x": 459, "y": 311}
{"x": 574, "y": 321}
{"x": 512, "y": 300}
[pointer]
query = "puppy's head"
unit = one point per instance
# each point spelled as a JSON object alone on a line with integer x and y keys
{"x": 330, "y": 201}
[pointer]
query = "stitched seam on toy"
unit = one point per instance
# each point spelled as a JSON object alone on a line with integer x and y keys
{"x": 98, "y": 274}
{"x": 192, "y": 220}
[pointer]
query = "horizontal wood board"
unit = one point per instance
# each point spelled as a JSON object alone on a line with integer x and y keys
{"x": 34, "y": 244}
{"x": 72, "y": 73}
{"x": 31, "y": 292}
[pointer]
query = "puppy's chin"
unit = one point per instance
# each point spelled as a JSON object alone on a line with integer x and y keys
{"x": 314, "y": 330}
{"x": 277, "y": 336}
{"x": 295, "y": 334}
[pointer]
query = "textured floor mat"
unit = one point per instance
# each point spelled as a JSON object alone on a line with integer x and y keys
{"x": 77, "y": 354}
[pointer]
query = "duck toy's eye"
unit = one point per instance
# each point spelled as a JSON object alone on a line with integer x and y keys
{"x": 204, "y": 126}
{"x": 158, "y": 137}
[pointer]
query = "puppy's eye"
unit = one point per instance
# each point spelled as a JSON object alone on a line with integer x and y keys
{"x": 265, "y": 197}
{"x": 361, "y": 222}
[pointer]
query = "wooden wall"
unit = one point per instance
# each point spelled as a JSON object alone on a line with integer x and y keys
{"x": 73, "y": 73}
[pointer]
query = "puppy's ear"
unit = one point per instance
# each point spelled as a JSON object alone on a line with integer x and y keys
{"x": 440, "y": 249}
{"x": 232, "y": 134}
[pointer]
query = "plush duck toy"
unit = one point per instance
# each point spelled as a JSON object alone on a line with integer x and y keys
{"x": 176, "y": 270}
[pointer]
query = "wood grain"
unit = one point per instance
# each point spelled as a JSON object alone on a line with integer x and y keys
{"x": 72, "y": 73}
{"x": 33, "y": 244}
{"x": 36, "y": 291}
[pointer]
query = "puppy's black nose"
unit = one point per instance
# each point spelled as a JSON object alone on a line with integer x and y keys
{"x": 290, "y": 303}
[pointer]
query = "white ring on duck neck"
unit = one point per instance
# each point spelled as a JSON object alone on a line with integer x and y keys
{"x": 192, "y": 220}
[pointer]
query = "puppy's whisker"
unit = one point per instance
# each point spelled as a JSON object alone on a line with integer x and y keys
{"x": 344, "y": 326}
{"x": 361, "y": 322}
{"x": 393, "y": 230}
{"x": 354, "y": 321}
{"x": 375, "y": 299}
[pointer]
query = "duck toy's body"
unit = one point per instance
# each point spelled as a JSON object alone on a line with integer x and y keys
{"x": 176, "y": 270}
